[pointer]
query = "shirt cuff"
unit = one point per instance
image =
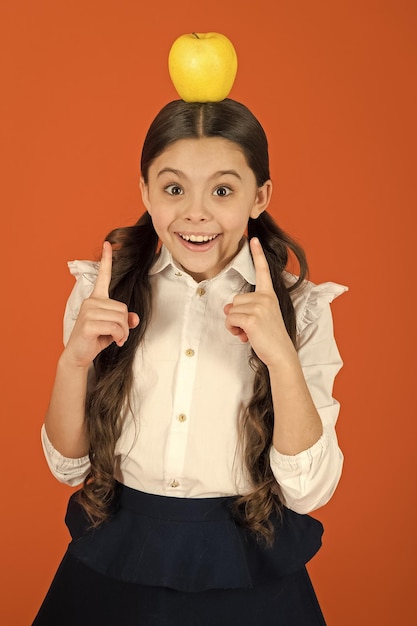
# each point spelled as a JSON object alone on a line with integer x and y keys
{"x": 69, "y": 471}
{"x": 308, "y": 479}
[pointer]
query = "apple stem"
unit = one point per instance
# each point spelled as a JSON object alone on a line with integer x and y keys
{"x": 196, "y": 36}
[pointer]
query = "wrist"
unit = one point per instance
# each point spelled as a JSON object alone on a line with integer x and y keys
{"x": 67, "y": 362}
{"x": 285, "y": 358}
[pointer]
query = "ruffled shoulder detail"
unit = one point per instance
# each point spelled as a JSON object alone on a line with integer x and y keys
{"x": 310, "y": 299}
{"x": 85, "y": 273}
{"x": 85, "y": 270}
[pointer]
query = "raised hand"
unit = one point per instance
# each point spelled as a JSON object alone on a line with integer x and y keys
{"x": 101, "y": 320}
{"x": 256, "y": 316}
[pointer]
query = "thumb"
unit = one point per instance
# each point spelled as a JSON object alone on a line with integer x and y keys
{"x": 133, "y": 320}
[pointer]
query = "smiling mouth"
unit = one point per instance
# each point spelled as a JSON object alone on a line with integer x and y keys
{"x": 198, "y": 238}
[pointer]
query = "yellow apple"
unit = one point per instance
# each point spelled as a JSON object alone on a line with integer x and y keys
{"x": 202, "y": 66}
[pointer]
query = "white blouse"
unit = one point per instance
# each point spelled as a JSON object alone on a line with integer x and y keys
{"x": 192, "y": 381}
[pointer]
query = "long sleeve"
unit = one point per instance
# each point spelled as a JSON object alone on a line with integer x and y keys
{"x": 68, "y": 470}
{"x": 308, "y": 479}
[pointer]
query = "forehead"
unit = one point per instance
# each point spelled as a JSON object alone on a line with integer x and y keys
{"x": 202, "y": 153}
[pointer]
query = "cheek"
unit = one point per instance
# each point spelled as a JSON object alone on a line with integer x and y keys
{"x": 238, "y": 223}
{"x": 160, "y": 219}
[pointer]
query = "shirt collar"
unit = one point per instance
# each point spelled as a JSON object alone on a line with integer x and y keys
{"x": 242, "y": 263}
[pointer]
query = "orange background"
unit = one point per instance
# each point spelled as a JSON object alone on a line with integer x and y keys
{"x": 334, "y": 84}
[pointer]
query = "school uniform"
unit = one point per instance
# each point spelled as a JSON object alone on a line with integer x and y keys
{"x": 172, "y": 552}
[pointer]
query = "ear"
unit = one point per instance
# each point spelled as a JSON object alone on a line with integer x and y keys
{"x": 263, "y": 197}
{"x": 145, "y": 194}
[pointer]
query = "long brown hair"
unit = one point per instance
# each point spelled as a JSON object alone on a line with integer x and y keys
{"x": 135, "y": 250}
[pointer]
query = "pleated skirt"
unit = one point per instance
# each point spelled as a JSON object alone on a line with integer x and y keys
{"x": 163, "y": 561}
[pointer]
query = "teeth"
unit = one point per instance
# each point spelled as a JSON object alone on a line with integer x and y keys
{"x": 197, "y": 238}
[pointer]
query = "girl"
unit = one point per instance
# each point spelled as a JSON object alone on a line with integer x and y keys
{"x": 193, "y": 398}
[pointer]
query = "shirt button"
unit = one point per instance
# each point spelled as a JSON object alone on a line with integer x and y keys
{"x": 182, "y": 417}
{"x": 201, "y": 291}
{"x": 175, "y": 483}
{"x": 189, "y": 352}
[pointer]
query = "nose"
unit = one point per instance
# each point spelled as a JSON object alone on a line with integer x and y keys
{"x": 196, "y": 213}
{"x": 195, "y": 219}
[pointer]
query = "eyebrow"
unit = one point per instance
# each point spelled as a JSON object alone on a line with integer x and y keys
{"x": 225, "y": 172}
{"x": 171, "y": 170}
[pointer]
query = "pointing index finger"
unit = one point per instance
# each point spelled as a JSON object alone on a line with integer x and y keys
{"x": 101, "y": 288}
{"x": 263, "y": 274}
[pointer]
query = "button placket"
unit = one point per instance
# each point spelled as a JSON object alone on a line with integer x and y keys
{"x": 191, "y": 332}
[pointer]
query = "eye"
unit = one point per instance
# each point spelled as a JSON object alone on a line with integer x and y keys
{"x": 222, "y": 191}
{"x": 173, "y": 190}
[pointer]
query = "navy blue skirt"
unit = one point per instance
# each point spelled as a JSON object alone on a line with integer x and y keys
{"x": 176, "y": 561}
